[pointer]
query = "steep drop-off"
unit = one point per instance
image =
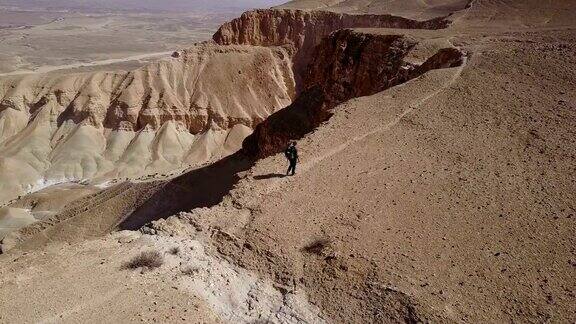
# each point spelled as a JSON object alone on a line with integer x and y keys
{"x": 346, "y": 65}
{"x": 175, "y": 113}
{"x": 301, "y": 31}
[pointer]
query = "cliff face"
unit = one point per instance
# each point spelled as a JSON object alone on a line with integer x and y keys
{"x": 331, "y": 63}
{"x": 349, "y": 64}
{"x": 345, "y": 65}
{"x": 301, "y": 30}
{"x": 283, "y": 26}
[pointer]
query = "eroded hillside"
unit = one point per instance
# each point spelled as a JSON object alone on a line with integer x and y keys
{"x": 173, "y": 114}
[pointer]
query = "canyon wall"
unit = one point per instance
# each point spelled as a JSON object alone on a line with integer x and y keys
{"x": 345, "y": 65}
{"x": 301, "y": 31}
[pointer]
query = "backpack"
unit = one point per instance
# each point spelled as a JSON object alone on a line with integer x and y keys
{"x": 289, "y": 153}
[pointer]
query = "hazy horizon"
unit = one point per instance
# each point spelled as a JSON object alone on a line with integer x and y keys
{"x": 137, "y": 5}
{"x": 48, "y": 35}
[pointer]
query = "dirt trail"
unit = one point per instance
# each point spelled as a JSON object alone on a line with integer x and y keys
{"x": 48, "y": 69}
{"x": 276, "y": 183}
{"x": 411, "y": 107}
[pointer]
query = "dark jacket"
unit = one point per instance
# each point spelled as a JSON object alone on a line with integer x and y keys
{"x": 291, "y": 153}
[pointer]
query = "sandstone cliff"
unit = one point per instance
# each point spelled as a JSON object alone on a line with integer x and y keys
{"x": 301, "y": 30}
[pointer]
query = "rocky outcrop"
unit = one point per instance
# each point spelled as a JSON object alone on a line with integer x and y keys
{"x": 301, "y": 30}
{"x": 349, "y": 64}
{"x": 345, "y": 65}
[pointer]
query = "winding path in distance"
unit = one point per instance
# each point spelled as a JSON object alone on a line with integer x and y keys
{"x": 46, "y": 69}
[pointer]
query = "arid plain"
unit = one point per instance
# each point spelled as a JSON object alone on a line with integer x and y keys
{"x": 66, "y": 35}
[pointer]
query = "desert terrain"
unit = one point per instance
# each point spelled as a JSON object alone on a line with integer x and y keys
{"x": 42, "y": 36}
{"x": 436, "y": 182}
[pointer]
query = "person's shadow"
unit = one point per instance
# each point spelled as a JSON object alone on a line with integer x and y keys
{"x": 269, "y": 176}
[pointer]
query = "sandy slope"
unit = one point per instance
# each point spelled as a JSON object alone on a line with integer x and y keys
{"x": 449, "y": 198}
{"x": 87, "y": 283}
{"x": 97, "y": 289}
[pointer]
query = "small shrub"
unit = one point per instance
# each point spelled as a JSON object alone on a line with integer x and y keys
{"x": 174, "y": 250}
{"x": 317, "y": 246}
{"x": 145, "y": 260}
{"x": 189, "y": 270}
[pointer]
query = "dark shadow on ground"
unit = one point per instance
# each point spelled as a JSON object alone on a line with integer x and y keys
{"x": 269, "y": 176}
{"x": 204, "y": 187}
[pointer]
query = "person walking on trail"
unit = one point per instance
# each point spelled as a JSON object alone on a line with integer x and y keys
{"x": 291, "y": 154}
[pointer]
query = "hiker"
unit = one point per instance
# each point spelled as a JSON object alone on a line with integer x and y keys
{"x": 291, "y": 154}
